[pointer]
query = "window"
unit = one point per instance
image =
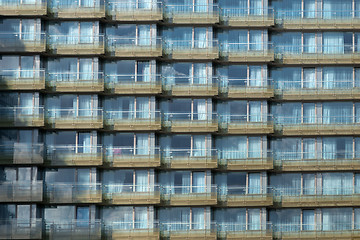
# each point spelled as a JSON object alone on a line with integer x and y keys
{"x": 186, "y": 146}
{"x": 239, "y": 183}
{"x": 185, "y": 182}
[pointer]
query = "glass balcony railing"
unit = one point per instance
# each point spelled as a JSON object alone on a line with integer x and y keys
{"x": 245, "y": 160}
{"x": 74, "y": 118}
{"x": 190, "y": 86}
{"x": 247, "y": 52}
{"x": 231, "y": 230}
{"x": 134, "y": 120}
{"x": 131, "y": 194}
{"x": 33, "y": 79}
{"x": 125, "y": 10}
{"x": 77, "y": 9}
{"x": 245, "y": 88}
{"x": 191, "y": 49}
{"x": 75, "y": 81}
{"x": 197, "y": 13}
{"x": 17, "y": 228}
{"x": 74, "y": 229}
{"x": 189, "y": 195}
{"x": 237, "y": 196}
{"x": 252, "y": 123}
{"x": 21, "y": 153}
{"x": 247, "y": 17}
{"x": 131, "y": 157}
{"x": 74, "y": 45}
{"x": 73, "y": 192}
{"x": 23, "y": 8}
{"x": 133, "y": 84}
{"x": 134, "y": 47}
{"x": 21, "y": 191}
{"x": 22, "y": 42}
{"x": 190, "y": 122}
{"x": 134, "y": 229}
{"x": 189, "y": 158}
{"x": 188, "y": 230}
{"x": 21, "y": 116}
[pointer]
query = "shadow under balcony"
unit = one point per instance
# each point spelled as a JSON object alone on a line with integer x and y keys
{"x": 118, "y": 194}
{"x": 22, "y": 42}
{"x": 74, "y": 119}
{"x": 235, "y": 231}
{"x": 132, "y": 84}
{"x": 189, "y": 159}
{"x": 22, "y": 153}
{"x": 313, "y": 94}
{"x": 132, "y": 230}
{"x": 23, "y": 8}
{"x": 146, "y": 11}
{"x": 132, "y": 120}
{"x": 133, "y": 47}
{"x": 247, "y": 52}
{"x": 247, "y": 17}
{"x": 22, "y": 80}
{"x": 75, "y": 45}
{"x": 239, "y": 160}
{"x": 192, "y": 14}
{"x": 71, "y": 9}
{"x": 21, "y": 191}
{"x": 189, "y": 195}
{"x": 245, "y": 89}
{"x": 72, "y": 155}
{"x": 183, "y": 230}
{"x": 21, "y": 117}
{"x": 189, "y": 122}
{"x": 72, "y": 193}
{"x": 241, "y": 124}
{"x": 245, "y": 196}
{"x": 191, "y": 50}
{"x": 73, "y": 229}
{"x": 183, "y": 87}
{"x": 21, "y": 228}
{"x": 75, "y": 82}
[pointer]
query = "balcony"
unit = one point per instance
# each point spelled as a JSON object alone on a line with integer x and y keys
{"x": 189, "y": 159}
{"x": 23, "y": 8}
{"x": 245, "y": 89}
{"x": 191, "y": 49}
{"x": 247, "y": 52}
{"x": 318, "y": 20}
{"x": 192, "y": 14}
{"x": 74, "y": 118}
{"x": 59, "y": 193}
{"x": 75, "y": 82}
{"x": 240, "y": 160}
{"x": 21, "y": 117}
{"x": 130, "y": 11}
{"x": 247, "y": 17}
{"x": 189, "y": 195}
{"x": 245, "y": 196}
{"x": 73, "y": 229}
{"x": 119, "y": 194}
{"x": 132, "y": 230}
{"x": 123, "y": 157}
{"x": 133, "y": 47}
{"x": 22, "y": 42}
{"x": 189, "y": 122}
{"x": 72, "y": 155}
{"x": 132, "y": 120}
{"x": 21, "y": 228}
{"x": 133, "y": 84}
{"x": 246, "y": 124}
{"x": 78, "y": 9}
{"x": 33, "y": 80}
{"x": 21, "y": 153}
{"x": 75, "y": 45}
{"x": 184, "y": 230}
{"x": 190, "y": 86}
{"x": 234, "y": 231}
{"x": 21, "y": 191}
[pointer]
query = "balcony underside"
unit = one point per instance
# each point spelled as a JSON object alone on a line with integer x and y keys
{"x": 78, "y": 49}
{"x": 133, "y": 161}
{"x": 137, "y": 51}
{"x": 22, "y": 122}
{"x": 136, "y": 88}
{"x": 319, "y": 58}
{"x": 249, "y": 128}
{"x": 193, "y": 234}
{"x": 196, "y": 90}
{"x": 193, "y": 18}
{"x": 79, "y": 233}
{"x": 78, "y": 86}
{"x": 196, "y": 199}
{"x": 23, "y": 46}
{"x": 191, "y": 162}
{"x": 248, "y": 164}
{"x": 248, "y": 92}
{"x": 22, "y": 195}
{"x": 250, "y": 56}
{"x": 249, "y": 21}
{"x": 320, "y": 165}
{"x": 75, "y": 197}
{"x": 35, "y": 84}
{"x": 321, "y": 129}
{"x": 322, "y": 24}
{"x": 134, "y": 125}
{"x": 74, "y": 159}
{"x": 23, "y": 10}
{"x": 141, "y": 15}
{"x": 320, "y": 201}
{"x": 209, "y": 53}
{"x": 246, "y": 235}
{"x": 248, "y": 200}
{"x": 319, "y": 94}
{"x": 193, "y": 126}
{"x": 319, "y": 235}
{"x": 79, "y": 12}
{"x": 137, "y": 234}
{"x": 136, "y": 198}
{"x": 75, "y": 123}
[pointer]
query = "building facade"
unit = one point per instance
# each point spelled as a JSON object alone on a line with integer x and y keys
{"x": 180, "y": 119}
